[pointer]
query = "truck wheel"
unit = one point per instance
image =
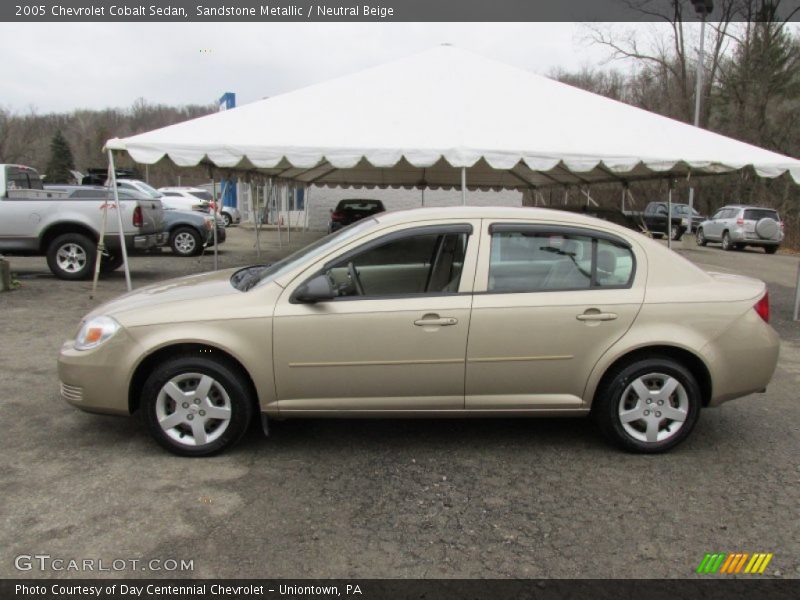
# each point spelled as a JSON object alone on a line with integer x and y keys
{"x": 71, "y": 256}
{"x": 111, "y": 262}
{"x": 185, "y": 241}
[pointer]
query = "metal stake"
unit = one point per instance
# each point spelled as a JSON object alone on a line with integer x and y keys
{"x": 463, "y": 186}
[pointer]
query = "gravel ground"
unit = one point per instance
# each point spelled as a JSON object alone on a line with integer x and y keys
{"x": 394, "y": 498}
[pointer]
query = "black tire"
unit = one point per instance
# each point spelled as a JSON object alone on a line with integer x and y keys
{"x": 700, "y": 237}
{"x": 726, "y": 242}
{"x": 226, "y": 219}
{"x": 225, "y": 375}
{"x": 770, "y": 249}
{"x": 609, "y": 397}
{"x": 677, "y": 233}
{"x": 111, "y": 262}
{"x": 71, "y": 256}
{"x": 185, "y": 241}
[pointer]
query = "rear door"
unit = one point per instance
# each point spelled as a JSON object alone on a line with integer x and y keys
{"x": 767, "y": 230}
{"x": 549, "y": 301}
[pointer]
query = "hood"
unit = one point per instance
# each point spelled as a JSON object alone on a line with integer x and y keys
{"x": 199, "y": 287}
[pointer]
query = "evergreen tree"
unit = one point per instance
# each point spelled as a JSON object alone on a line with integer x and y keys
{"x": 61, "y": 161}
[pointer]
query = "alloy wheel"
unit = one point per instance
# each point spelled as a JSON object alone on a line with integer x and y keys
{"x": 653, "y": 408}
{"x": 71, "y": 258}
{"x": 193, "y": 409}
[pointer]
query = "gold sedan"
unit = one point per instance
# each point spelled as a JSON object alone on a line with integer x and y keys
{"x": 433, "y": 313}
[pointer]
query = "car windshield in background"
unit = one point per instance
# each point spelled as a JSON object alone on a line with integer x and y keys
{"x": 270, "y": 272}
{"x": 756, "y": 214}
{"x": 149, "y": 190}
{"x": 203, "y": 195}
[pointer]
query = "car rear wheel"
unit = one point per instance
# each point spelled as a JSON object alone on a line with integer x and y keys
{"x": 71, "y": 256}
{"x": 726, "y": 241}
{"x": 185, "y": 242}
{"x": 700, "y": 238}
{"x": 770, "y": 249}
{"x": 649, "y": 406}
{"x": 196, "y": 406}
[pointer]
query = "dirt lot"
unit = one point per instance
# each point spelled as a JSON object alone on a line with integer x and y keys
{"x": 475, "y": 498}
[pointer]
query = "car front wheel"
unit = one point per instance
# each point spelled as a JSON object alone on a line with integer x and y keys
{"x": 185, "y": 242}
{"x": 649, "y": 406}
{"x": 226, "y": 219}
{"x": 196, "y": 406}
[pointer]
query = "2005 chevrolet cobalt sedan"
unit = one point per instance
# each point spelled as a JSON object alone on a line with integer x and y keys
{"x": 433, "y": 312}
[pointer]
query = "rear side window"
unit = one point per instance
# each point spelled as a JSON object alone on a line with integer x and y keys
{"x": 22, "y": 179}
{"x": 537, "y": 261}
{"x": 756, "y": 214}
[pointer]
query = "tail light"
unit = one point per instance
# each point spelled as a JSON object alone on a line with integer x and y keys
{"x": 780, "y": 224}
{"x": 337, "y": 216}
{"x": 138, "y": 219}
{"x": 740, "y": 221}
{"x": 762, "y": 307}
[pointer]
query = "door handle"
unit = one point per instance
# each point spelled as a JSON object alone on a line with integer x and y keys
{"x": 434, "y": 320}
{"x": 596, "y": 316}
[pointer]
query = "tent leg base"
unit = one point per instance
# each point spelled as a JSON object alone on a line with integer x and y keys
{"x": 265, "y": 424}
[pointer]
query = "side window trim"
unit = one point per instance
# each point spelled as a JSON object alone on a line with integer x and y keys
{"x": 594, "y": 235}
{"x": 557, "y": 230}
{"x": 399, "y": 235}
{"x": 455, "y": 228}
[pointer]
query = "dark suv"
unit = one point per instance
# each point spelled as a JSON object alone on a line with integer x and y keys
{"x": 350, "y": 211}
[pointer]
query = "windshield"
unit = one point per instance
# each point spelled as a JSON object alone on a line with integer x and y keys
{"x": 147, "y": 189}
{"x": 202, "y": 195}
{"x": 267, "y": 273}
{"x": 683, "y": 209}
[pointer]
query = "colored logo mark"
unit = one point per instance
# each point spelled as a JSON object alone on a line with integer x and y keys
{"x": 739, "y": 562}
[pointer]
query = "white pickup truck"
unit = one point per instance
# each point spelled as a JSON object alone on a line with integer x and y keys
{"x": 38, "y": 222}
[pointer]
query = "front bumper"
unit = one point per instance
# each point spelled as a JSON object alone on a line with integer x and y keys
{"x": 97, "y": 380}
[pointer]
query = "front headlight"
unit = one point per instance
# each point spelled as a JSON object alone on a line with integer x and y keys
{"x": 96, "y": 331}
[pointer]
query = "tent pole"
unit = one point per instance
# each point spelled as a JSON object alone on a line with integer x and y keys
{"x": 797, "y": 294}
{"x": 101, "y": 247}
{"x": 422, "y": 196}
{"x": 307, "y": 196}
{"x": 254, "y": 199}
{"x": 214, "y": 209}
{"x": 463, "y": 186}
{"x": 115, "y": 190}
{"x": 669, "y": 215}
{"x": 289, "y": 194}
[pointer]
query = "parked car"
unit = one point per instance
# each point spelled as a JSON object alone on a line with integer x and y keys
{"x": 189, "y": 232}
{"x": 567, "y": 316}
{"x": 64, "y": 225}
{"x": 189, "y": 196}
{"x": 737, "y": 226}
{"x": 348, "y": 212}
{"x": 682, "y": 210}
{"x": 655, "y": 220}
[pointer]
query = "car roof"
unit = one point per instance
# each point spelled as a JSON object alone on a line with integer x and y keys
{"x": 180, "y": 189}
{"x": 499, "y": 212}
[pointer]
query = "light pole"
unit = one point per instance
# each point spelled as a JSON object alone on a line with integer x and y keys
{"x": 703, "y": 8}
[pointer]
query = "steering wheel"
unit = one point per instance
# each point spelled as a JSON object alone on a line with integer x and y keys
{"x": 353, "y": 275}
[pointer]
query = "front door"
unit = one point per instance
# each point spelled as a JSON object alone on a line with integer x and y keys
{"x": 395, "y": 336}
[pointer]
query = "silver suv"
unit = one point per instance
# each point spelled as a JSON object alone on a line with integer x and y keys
{"x": 737, "y": 226}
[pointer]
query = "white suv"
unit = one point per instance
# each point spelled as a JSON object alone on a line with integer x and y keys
{"x": 737, "y": 226}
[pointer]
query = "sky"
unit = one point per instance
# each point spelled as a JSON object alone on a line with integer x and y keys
{"x": 59, "y": 67}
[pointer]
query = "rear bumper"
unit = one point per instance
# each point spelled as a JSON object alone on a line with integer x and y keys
{"x": 751, "y": 238}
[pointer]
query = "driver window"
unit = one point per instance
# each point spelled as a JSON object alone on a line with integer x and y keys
{"x": 428, "y": 263}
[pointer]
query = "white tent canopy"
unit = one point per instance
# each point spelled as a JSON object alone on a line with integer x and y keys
{"x": 419, "y": 120}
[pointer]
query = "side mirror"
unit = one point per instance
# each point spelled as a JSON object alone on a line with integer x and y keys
{"x": 315, "y": 290}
